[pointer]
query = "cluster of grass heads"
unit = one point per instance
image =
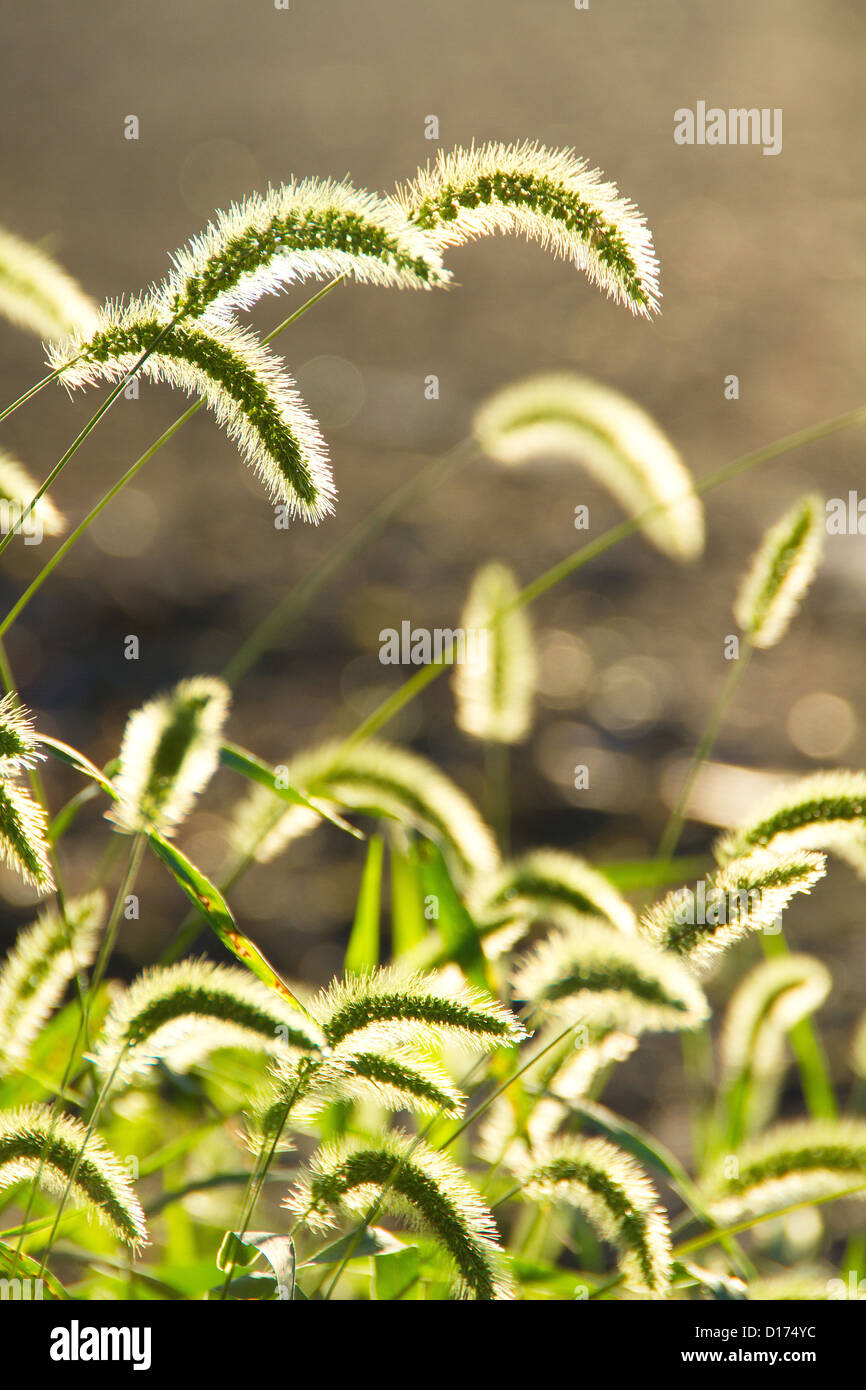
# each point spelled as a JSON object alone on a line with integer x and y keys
{"x": 440, "y": 1104}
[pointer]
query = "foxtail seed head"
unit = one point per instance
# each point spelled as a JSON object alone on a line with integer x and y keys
{"x": 37, "y": 1141}
{"x": 548, "y": 196}
{"x": 241, "y": 382}
{"x": 169, "y": 753}
{"x": 494, "y": 695}
{"x": 311, "y": 229}
{"x": 573, "y": 417}
{"x": 781, "y": 572}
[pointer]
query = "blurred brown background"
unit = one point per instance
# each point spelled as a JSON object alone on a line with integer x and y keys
{"x": 763, "y": 276}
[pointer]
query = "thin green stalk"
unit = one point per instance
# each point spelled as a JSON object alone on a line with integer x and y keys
{"x": 91, "y": 1126}
{"x": 63, "y": 550}
{"x": 446, "y": 1143}
{"x": 672, "y": 831}
{"x": 407, "y": 692}
{"x": 497, "y": 792}
{"x": 83, "y": 434}
{"x": 22, "y": 400}
{"x": 256, "y": 1182}
{"x": 83, "y": 1022}
{"x": 295, "y": 602}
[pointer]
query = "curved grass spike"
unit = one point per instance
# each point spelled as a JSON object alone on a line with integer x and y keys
{"x": 17, "y": 490}
{"x": 597, "y": 976}
{"x": 44, "y": 958}
{"x": 548, "y": 196}
{"x": 35, "y": 1140}
{"x": 179, "y": 1014}
{"x": 169, "y": 753}
{"x": 37, "y": 295}
{"x": 19, "y": 746}
{"x": 826, "y": 810}
{"x": 615, "y": 1195}
{"x": 494, "y": 694}
{"x": 747, "y": 895}
{"x": 774, "y": 996}
{"x": 575, "y": 418}
{"x": 414, "y": 1181}
{"x": 392, "y": 1007}
{"x": 311, "y": 229}
{"x": 240, "y": 380}
{"x": 789, "y": 1164}
{"x": 781, "y": 572}
{"x": 400, "y": 1080}
{"x": 374, "y": 778}
{"x": 24, "y": 836}
{"x": 548, "y": 882}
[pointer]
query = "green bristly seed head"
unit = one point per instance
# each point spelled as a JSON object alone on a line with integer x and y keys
{"x": 34, "y": 1139}
{"x": 772, "y": 998}
{"x": 781, "y": 572}
{"x": 615, "y": 1194}
{"x": 24, "y": 836}
{"x": 550, "y": 196}
{"x": 17, "y": 490}
{"x": 301, "y": 230}
{"x": 393, "y": 1006}
{"x": 34, "y": 975}
{"x": 18, "y": 745}
{"x": 378, "y": 779}
{"x": 181, "y": 1013}
{"x": 789, "y": 1164}
{"x": 244, "y": 384}
{"x": 414, "y": 1180}
{"x": 494, "y": 692}
{"x": 824, "y": 811}
{"x": 595, "y": 975}
{"x": 169, "y": 752}
{"x": 547, "y": 881}
{"x": 747, "y": 895}
{"x": 564, "y": 415}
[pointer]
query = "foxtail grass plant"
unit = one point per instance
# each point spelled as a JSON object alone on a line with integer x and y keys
{"x": 451, "y": 1077}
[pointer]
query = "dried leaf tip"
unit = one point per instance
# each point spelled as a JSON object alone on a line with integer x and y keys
{"x": 546, "y": 195}
{"x": 169, "y": 752}
{"x": 781, "y": 572}
{"x": 564, "y": 415}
